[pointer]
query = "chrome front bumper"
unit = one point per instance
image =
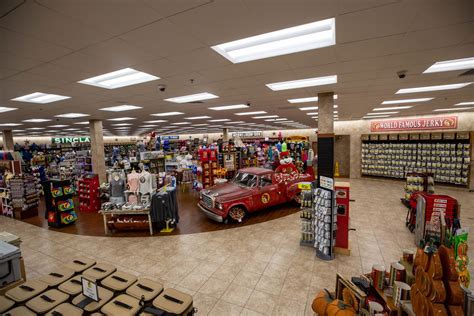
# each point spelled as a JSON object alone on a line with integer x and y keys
{"x": 210, "y": 214}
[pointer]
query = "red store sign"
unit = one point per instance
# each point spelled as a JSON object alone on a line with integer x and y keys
{"x": 429, "y": 123}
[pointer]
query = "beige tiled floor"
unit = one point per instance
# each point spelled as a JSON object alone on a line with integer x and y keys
{"x": 252, "y": 270}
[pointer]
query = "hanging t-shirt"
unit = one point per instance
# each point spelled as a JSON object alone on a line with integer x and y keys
{"x": 278, "y": 145}
{"x": 133, "y": 181}
{"x": 117, "y": 187}
{"x": 284, "y": 147}
{"x": 146, "y": 183}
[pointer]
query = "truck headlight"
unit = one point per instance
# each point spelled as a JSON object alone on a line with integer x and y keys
{"x": 219, "y": 206}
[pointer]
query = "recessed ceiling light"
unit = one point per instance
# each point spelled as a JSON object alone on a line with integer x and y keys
{"x": 167, "y": 114}
{"x": 372, "y": 117}
{"x": 36, "y": 120}
{"x": 264, "y": 117}
{"x": 219, "y": 120}
{"x": 251, "y": 113}
{"x": 302, "y": 83}
{"x": 72, "y": 115}
{"x": 314, "y": 117}
{"x": 450, "y": 65}
{"x": 17, "y": 130}
{"x": 60, "y": 125}
{"x": 197, "y": 118}
{"x": 237, "y": 122}
{"x": 452, "y": 109}
{"x": 155, "y": 121}
{"x": 305, "y": 100}
{"x": 35, "y": 128}
{"x": 118, "y": 119}
{"x": 145, "y": 126}
{"x": 201, "y": 124}
{"x": 120, "y": 78}
{"x": 407, "y": 101}
{"x": 82, "y": 123}
{"x": 282, "y": 42}
{"x": 121, "y": 124}
{"x": 394, "y": 108}
{"x": 229, "y": 107}
{"x": 465, "y": 103}
{"x": 71, "y": 129}
{"x": 181, "y": 123}
{"x": 381, "y": 113}
{"x": 122, "y": 127}
{"x": 434, "y": 88}
{"x": 308, "y": 108}
{"x": 6, "y": 109}
{"x": 42, "y": 98}
{"x": 10, "y": 124}
{"x": 312, "y": 113}
{"x": 281, "y": 119}
{"x": 121, "y": 108}
{"x": 192, "y": 98}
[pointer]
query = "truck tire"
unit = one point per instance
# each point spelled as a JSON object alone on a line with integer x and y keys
{"x": 236, "y": 213}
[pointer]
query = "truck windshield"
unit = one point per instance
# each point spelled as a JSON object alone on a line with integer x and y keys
{"x": 245, "y": 179}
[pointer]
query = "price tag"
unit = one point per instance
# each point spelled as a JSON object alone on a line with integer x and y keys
{"x": 304, "y": 185}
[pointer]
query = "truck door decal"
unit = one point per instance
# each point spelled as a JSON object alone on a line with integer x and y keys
{"x": 265, "y": 198}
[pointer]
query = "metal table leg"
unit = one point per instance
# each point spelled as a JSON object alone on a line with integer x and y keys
{"x": 151, "y": 224}
{"x": 106, "y": 229}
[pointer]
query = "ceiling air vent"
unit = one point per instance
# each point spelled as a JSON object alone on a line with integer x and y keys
{"x": 470, "y": 72}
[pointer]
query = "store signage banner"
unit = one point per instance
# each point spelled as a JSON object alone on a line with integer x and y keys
{"x": 428, "y": 123}
{"x": 247, "y": 134}
{"x": 69, "y": 140}
{"x": 170, "y": 137}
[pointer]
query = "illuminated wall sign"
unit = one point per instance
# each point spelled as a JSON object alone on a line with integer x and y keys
{"x": 247, "y": 134}
{"x": 70, "y": 140}
{"x": 170, "y": 137}
{"x": 429, "y": 123}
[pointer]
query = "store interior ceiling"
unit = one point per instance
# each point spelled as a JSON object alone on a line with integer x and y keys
{"x": 48, "y": 46}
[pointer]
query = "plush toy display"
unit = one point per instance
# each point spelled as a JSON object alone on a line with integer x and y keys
{"x": 286, "y": 164}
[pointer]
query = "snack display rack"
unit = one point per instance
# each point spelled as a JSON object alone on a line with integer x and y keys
{"x": 89, "y": 195}
{"x": 307, "y": 218}
{"x": 24, "y": 196}
{"x": 446, "y": 155}
{"x": 208, "y": 160}
{"x": 59, "y": 203}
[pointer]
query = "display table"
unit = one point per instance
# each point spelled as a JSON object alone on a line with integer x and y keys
{"x": 126, "y": 212}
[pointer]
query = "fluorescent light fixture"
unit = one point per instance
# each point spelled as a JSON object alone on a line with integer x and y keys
{"x": 72, "y": 115}
{"x": 270, "y": 120}
{"x": 35, "y": 128}
{"x": 236, "y": 122}
{"x": 6, "y": 109}
{"x": 394, "y": 108}
{"x": 434, "y": 88}
{"x": 229, "y": 107}
{"x": 281, "y": 119}
{"x": 375, "y": 116}
{"x": 10, "y": 124}
{"x": 305, "y": 100}
{"x": 121, "y": 108}
{"x": 265, "y": 116}
{"x": 465, "y": 103}
{"x": 60, "y": 125}
{"x": 204, "y": 124}
{"x": 335, "y": 112}
{"x": 145, "y": 126}
{"x": 118, "y": 119}
{"x": 381, "y": 113}
{"x": 407, "y": 101}
{"x": 312, "y": 113}
{"x": 452, "y": 109}
{"x": 155, "y": 121}
{"x": 308, "y": 108}
{"x": 82, "y": 123}
{"x": 219, "y": 120}
{"x": 197, "y": 118}
{"x": 41, "y": 98}
{"x": 167, "y": 114}
{"x": 181, "y": 123}
{"x": 251, "y": 113}
{"x": 121, "y": 124}
{"x": 72, "y": 129}
{"x": 450, "y": 65}
{"x": 122, "y": 127}
{"x": 17, "y": 130}
{"x": 34, "y": 120}
{"x": 302, "y": 83}
{"x": 314, "y": 117}
{"x": 118, "y": 79}
{"x": 192, "y": 98}
{"x": 282, "y": 42}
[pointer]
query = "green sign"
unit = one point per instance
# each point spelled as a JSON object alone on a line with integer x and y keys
{"x": 69, "y": 140}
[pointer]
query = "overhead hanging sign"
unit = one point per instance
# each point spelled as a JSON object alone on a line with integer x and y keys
{"x": 426, "y": 123}
{"x": 247, "y": 134}
{"x": 70, "y": 140}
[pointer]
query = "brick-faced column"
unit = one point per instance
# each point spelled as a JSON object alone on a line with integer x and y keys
{"x": 97, "y": 149}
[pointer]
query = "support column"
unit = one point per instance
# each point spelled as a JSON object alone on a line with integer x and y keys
{"x": 326, "y": 135}
{"x": 471, "y": 173}
{"x": 225, "y": 136}
{"x": 97, "y": 148}
{"x": 8, "y": 143}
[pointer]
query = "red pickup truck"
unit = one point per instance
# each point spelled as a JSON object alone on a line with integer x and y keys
{"x": 252, "y": 189}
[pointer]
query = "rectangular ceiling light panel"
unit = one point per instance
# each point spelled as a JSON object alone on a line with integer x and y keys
{"x": 120, "y": 78}
{"x": 407, "y": 101}
{"x": 394, "y": 108}
{"x": 453, "y": 109}
{"x": 6, "y": 109}
{"x": 167, "y": 114}
{"x": 121, "y": 108}
{"x": 197, "y": 118}
{"x": 465, "y": 103}
{"x": 192, "y": 98}
{"x": 251, "y": 113}
{"x": 41, "y": 98}
{"x": 302, "y": 83}
{"x": 305, "y": 100}
{"x": 282, "y": 42}
{"x": 36, "y": 120}
{"x": 118, "y": 119}
{"x": 451, "y": 65}
{"x": 72, "y": 115}
{"x": 434, "y": 88}
{"x": 265, "y": 116}
{"x": 229, "y": 107}
{"x": 381, "y": 113}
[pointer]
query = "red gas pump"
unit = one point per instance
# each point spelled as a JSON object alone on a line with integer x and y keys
{"x": 342, "y": 209}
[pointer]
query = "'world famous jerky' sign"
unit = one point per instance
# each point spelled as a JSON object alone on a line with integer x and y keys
{"x": 427, "y": 123}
